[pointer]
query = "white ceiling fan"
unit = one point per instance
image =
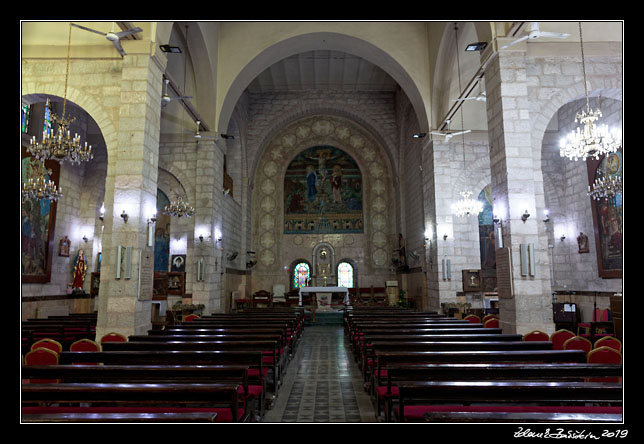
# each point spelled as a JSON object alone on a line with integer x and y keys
{"x": 198, "y": 136}
{"x": 535, "y": 33}
{"x": 165, "y": 98}
{"x": 114, "y": 37}
{"x": 449, "y": 134}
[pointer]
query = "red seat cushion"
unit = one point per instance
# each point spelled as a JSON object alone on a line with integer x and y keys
{"x": 382, "y": 392}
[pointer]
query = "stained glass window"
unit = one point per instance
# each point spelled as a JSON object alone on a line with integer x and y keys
{"x": 25, "y": 118}
{"x": 345, "y": 275}
{"x": 301, "y": 274}
{"x": 47, "y": 122}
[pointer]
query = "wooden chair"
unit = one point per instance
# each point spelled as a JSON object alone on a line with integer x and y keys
{"x": 49, "y": 344}
{"x": 489, "y": 316}
{"x": 473, "y": 319}
{"x": 379, "y": 295}
{"x": 292, "y": 298}
{"x": 491, "y": 323}
{"x": 262, "y": 297}
{"x": 578, "y": 343}
{"x": 41, "y": 356}
{"x": 609, "y": 341}
{"x": 536, "y": 335}
{"x": 604, "y": 355}
{"x": 559, "y": 337}
{"x": 113, "y": 337}
{"x": 85, "y": 345}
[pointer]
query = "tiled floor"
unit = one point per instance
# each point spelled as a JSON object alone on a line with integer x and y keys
{"x": 323, "y": 383}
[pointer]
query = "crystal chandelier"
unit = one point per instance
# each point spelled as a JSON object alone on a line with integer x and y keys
{"x": 591, "y": 140}
{"x": 179, "y": 208}
{"x": 61, "y": 146}
{"x": 605, "y": 187}
{"x": 38, "y": 186}
{"x": 466, "y": 205}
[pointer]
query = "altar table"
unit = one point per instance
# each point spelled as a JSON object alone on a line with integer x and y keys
{"x": 325, "y": 290}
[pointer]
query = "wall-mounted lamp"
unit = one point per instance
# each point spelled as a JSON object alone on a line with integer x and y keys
{"x": 85, "y": 238}
{"x": 547, "y": 214}
{"x": 563, "y": 237}
{"x": 445, "y": 236}
{"x": 124, "y": 216}
{"x": 525, "y": 216}
{"x": 152, "y": 219}
{"x": 419, "y": 135}
{"x": 102, "y": 212}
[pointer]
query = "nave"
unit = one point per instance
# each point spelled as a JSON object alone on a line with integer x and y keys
{"x": 323, "y": 383}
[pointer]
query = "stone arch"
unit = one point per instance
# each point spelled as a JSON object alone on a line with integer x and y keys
{"x": 84, "y": 102}
{"x": 475, "y": 170}
{"x": 356, "y": 141}
{"x": 284, "y": 121}
{"x": 312, "y": 41}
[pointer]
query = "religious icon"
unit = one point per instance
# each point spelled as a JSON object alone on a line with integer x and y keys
{"x": 80, "y": 268}
{"x": 63, "y": 247}
{"x": 178, "y": 263}
{"x": 582, "y": 243}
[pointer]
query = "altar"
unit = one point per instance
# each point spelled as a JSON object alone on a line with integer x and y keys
{"x": 325, "y": 301}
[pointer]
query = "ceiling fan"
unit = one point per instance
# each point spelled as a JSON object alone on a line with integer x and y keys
{"x": 535, "y": 33}
{"x": 449, "y": 134}
{"x": 198, "y": 136}
{"x": 114, "y": 37}
{"x": 165, "y": 98}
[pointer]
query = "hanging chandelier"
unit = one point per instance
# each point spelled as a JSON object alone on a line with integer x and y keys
{"x": 605, "y": 187}
{"x": 592, "y": 140}
{"x": 179, "y": 208}
{"x": 38, "y": 186}
{"x": 466, "y": 205}
{"x": 61, "y": 146}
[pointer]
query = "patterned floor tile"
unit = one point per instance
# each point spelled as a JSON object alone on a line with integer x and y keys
{"x": 323, "y": 383}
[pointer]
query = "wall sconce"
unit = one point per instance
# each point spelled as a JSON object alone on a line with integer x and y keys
{"x": 152, "y": 219}
{"x": 547, "y": 214}
{"x": 445, "y": 236}
{"x": 102, "y": 212}
{"x": 201, "y": 238}
{"x": 85, "y": 238}
{"x": 525, "y": 216}
{"x": 563, "y": 237}
{"x": 124, "y": 216}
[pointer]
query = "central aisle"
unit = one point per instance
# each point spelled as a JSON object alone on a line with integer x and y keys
{"x": 323, "y": 383}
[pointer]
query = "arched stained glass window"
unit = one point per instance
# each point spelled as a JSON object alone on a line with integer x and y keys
{"x": 301, "y": 274}
{"x": 345, "y": 275}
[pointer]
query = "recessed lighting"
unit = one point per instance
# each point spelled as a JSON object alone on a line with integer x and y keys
{"x": 478, "y": 46}
{"x": 172, "y": 49}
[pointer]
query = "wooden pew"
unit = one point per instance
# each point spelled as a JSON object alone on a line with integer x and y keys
{"x": 417, "y": 399}
{"x": 172, "y": 417}
{"x": 271, "y": 346}
{"x": 398, "y": 374}
{"x": 377, "y": 348}
{"x": 137, "y": 398}
{"x": 236, "y": 374}
{"x": 524, "y": 418}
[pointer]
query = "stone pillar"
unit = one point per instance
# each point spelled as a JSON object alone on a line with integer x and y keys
{"x": 208, "y": 221}
{"x": 437, "y": 189}
{"x": 517, "y": 187}
{"x": 131, "y": 186}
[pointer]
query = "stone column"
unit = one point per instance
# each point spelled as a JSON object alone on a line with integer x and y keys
{"x": 131, "y": 186}
{"x": 517, "y": 187}
{"x": 437, "y": 189}
{"x": 208, "y": 221}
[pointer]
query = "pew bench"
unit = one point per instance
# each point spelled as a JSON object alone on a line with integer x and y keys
{"x": 137, "y": 398}
{"x": 419, "y": 398}
{"x": 97, "y": 417}
{"x": 524, "y": 417}
{"x": 269, "y": 349}
{"x": 399, "y": 374}
{"x": 232, "y": 374}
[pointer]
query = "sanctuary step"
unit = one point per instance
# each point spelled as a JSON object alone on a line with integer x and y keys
{"x": 328, "y": 318}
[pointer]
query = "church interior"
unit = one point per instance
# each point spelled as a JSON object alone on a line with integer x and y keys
{"x": 332, "y": 174}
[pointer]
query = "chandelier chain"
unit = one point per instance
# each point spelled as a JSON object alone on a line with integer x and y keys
{"x": 583, "y": 66}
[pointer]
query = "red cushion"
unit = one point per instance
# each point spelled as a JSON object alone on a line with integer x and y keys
{"x": 382, "y": 391}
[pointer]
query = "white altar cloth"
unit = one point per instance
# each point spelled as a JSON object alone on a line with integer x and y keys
{"x": 344, "y": 290}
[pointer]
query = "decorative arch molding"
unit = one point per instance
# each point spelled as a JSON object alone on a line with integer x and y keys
{"x": 268, "y": 179}
{"x": 173, "y": 182}
{"x": 84, "y": 102}
{"x": 286, "y": 120}
{"x": 480, "y": 170}
{"x": 313, "y": 41}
